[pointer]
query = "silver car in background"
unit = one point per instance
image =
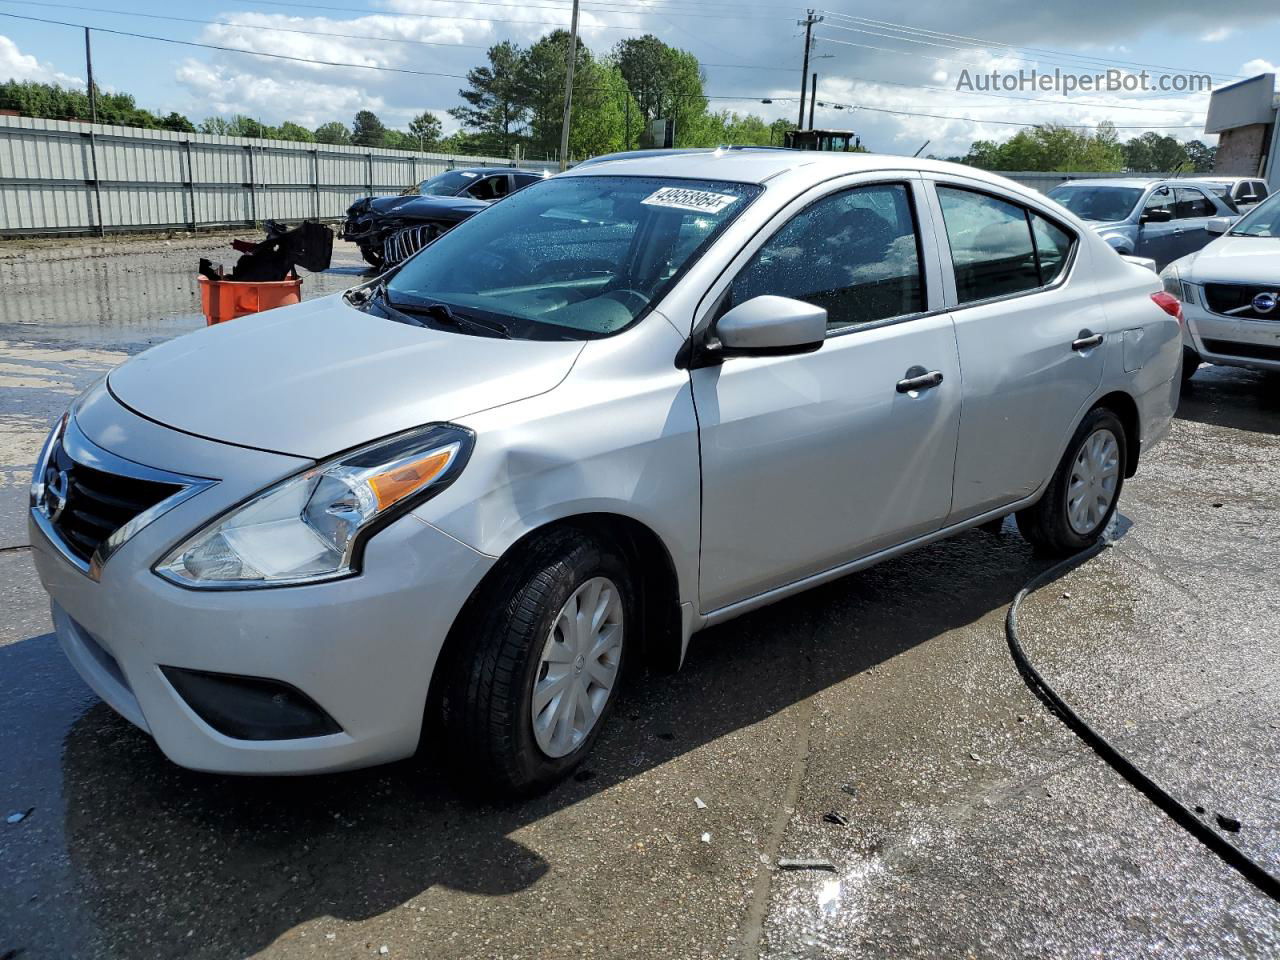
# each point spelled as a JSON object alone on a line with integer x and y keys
{"x": 1230, "y": 293}
{"x": 457, "y": 504}
{"x": 1159, "y": 219}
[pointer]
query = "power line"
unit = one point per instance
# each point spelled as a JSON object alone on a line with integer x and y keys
{"x": 224, "y": 49}
{"x": 903, "y": 28}
{"x": 402, "y": 70}
{"x": 248, "y": 26}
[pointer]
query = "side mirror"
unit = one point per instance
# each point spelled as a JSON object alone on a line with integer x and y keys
{"x": 1156, "y": 216}
{"x": 771, "y": 326}
{"x": 1219, "y": 225}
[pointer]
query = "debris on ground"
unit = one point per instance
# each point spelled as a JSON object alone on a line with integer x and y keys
{"x": 850, "y": 789}
{"x": 699, "y": 803}
{"x": 1230, "y": 824}
{"x": 19, "y": 815}
{"x": 309, "y": 245}
{"x": 785, "y": 863}
{"x": 974, "y": 756}
{"x": 839, "y": 819}
{"x": 1216, "y": 506}
{"x": 706, "y": 838}
{"x": 384, "y": 950}
{"x": 1066, "y": 594}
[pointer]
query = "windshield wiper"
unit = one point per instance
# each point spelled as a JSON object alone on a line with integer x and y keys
{"x": 443, "y": 313}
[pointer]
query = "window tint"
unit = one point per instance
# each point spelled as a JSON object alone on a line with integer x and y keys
{"x": 854, "y": 254}
{"x": 1192, "y": 203}
{"x": 490, "y": 188}
{"x": 1162, "y": 199}
{"x": 524, "y": 179}
{"x": 990, "y": 245}
{"x": 1259, "y": 189}
{"x": 1053, "y": 247}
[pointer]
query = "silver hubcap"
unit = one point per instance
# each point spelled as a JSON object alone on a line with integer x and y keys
{"x": 1094, "y": 476}
{"x": 578, "y": 667}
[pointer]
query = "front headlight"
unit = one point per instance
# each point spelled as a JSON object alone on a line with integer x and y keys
{"x": 312, "y": 526}
{"x": 1174, "y": 284}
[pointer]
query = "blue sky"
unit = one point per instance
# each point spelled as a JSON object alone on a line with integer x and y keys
{"x": 875, "y": 53}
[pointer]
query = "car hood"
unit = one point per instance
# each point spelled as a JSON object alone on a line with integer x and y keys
{"x": 1235, "y": 260}
{"x": 425, "y": 206}
{"x": 320, "y": 377}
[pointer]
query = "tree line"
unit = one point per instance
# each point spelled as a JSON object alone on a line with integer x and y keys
{"x": 514, "y": 102}
{"x": 1054, "y": 147}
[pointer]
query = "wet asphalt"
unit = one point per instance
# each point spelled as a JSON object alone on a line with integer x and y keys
{"x": 974, "y": 823}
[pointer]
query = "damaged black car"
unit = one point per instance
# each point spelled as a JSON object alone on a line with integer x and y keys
{"x": 391, "y": 229}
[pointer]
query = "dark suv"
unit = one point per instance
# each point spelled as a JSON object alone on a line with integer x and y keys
{"x": 389, "y": 229}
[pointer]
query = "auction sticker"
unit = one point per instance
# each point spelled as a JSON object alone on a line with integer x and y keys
{"x": 681, "y": 198}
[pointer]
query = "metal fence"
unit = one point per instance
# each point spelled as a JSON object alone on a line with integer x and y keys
{"x": 61, "y": 177}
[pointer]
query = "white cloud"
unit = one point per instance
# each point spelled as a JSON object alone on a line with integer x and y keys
{"x": 1217, "y": 35}
{"x": 16, "y": 65}
{"x": 1257, "y": 66}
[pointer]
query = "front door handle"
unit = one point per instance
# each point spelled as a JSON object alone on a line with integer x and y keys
{"x": 1086, "y": 340}
{"x": 924, "y": 381}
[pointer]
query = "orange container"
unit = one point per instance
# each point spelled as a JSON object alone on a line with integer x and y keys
{"x": 223, "y": 300}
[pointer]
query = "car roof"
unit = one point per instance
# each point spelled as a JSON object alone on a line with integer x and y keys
{"x": 478, "y": 170}
{"x": 760, "y": 165}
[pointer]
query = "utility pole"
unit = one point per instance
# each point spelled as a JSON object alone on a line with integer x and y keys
{"x": 813, "y": 99}
{"x": 88, "y": 63}
{"x": 807, "y": 23}
{"x": 568, "y": 89}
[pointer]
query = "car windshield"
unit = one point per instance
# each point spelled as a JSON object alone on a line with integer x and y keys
{"x": 1262, "y": 221}
{"x": 578, "y": 257}
{"x": 1097, "y": 203}
{"x": 448, "y": 184}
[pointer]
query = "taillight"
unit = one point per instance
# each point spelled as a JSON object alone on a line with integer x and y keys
{"x": 1169, "y": 304}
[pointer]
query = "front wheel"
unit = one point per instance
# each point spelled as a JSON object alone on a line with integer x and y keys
{"x": 1191, "y": 361}
{"x": 1083, "y": 493}
{"x": 373, "y": 257}
{"x": 528, "y": 698}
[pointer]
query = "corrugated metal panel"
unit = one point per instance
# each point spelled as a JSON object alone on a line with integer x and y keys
{"x": 158, "y": 178}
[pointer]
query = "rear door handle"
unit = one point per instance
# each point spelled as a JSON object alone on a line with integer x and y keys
{"x": 925, "y": 381}
{"x": 1086, "y": 341}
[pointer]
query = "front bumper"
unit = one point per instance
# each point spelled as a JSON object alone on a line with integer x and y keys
{"x": 363, "y": 649}
{"x": 1238, "y": 343}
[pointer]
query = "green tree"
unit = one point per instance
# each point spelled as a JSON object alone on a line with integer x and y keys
{"x": 665, "y": 82}
{"x": 367, "y": 130}
{"x": 332, "y": 132}
{"x": 178, "y": 123}
{"x": 495, "y": 100}
{"x": 600, "y": 111}
{"x": 425, "y": 129}
{"x": 1200, "y": 155}
{"x": 292, "y": 131}
{"x": 1155, "y": 153}
{"x": 1051, "y": 147}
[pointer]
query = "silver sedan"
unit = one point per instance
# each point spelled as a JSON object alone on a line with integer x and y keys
{"x": 460, "y": 502}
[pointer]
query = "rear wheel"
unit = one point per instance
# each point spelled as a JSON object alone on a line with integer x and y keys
{"x": 1084, "y": 490}
{"x": 528, "y": 698}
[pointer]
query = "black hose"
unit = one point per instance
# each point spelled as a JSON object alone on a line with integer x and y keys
{"x": 1232, "y": 855}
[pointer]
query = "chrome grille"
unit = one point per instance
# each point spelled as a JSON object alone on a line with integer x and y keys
{"x": 98, "y": 503}
{"x": 404, "y": 243}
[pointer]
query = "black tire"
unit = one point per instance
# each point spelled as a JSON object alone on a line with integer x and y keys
{"x": 1047, "y": 524}
{"x": 1191, "y": 361}
{"x": 372, "y": 257}
{"x": 486, "y": 705}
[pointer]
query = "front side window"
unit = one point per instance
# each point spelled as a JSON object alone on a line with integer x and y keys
{"x": 855, "y": 254}
{"x": 571, "y": 257}
{"x": 490, "y": 188}
{"x": 1262, "y": 221}
{"x": 991, "y": 247}
{"x": 1191, "y": 203}
{"x": 1161, "y": 200}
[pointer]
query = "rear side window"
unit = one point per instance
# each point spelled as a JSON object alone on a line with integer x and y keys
{"x": 999, "y": 248}
{"x": 991, "y": 248}
{"x": 1053, "y": 248}
{"x": 1260, "y": 189}
{"x": 524, "y": 179}
{"x": 1191, "y": 203}
{"x": 856, "y": 254}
